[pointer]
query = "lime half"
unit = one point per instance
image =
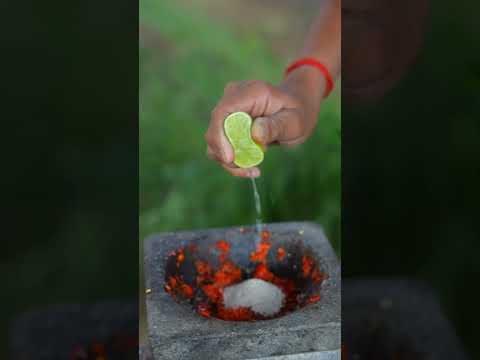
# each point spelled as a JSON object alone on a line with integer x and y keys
{"x": 238, "y": 130}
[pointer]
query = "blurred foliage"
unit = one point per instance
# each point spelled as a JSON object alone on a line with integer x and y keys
{"x": 182, "y": 76}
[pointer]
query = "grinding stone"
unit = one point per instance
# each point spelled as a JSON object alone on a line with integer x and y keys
{"x": 177, "y": 333}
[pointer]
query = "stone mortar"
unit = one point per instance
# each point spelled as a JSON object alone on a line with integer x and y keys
{"x": 177, "y": 333}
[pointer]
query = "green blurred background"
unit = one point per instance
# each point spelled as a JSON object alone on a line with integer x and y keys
{"x": 188, "y": 52}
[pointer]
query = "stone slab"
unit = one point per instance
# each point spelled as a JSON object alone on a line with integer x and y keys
{"x": 322, "y": 355}
{"x": 177, "y": 333}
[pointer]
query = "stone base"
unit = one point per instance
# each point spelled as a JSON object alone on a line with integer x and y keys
{"x": 177, "y": 333}
{"x": 323, "y": 355}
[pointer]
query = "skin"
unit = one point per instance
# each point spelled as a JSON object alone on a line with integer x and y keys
{"x": 287, "y": 113}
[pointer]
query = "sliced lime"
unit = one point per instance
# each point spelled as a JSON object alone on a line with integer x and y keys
{"x": 238, "y": 130}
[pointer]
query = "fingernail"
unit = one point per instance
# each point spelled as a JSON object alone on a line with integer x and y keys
{"x": 223, "y": 156}
{"x": 226, "y": 152}
{"x": 257, "y": 129}
{"x": 254, "y": 173}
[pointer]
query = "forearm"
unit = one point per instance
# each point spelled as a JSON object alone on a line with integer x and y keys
{"x": 323, "y": 42}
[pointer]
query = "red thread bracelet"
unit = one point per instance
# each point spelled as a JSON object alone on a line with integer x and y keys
{"x": 316, "y": 64}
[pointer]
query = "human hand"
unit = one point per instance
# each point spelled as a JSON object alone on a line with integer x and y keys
{"x": 285, "y": 114}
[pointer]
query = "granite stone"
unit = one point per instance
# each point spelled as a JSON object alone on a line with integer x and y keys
{"x": 176, "y": 332}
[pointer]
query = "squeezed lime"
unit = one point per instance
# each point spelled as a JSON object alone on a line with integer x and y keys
{"x": 248, "y": 153}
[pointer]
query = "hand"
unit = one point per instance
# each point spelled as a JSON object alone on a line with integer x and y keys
{"x": 284, "y": 114}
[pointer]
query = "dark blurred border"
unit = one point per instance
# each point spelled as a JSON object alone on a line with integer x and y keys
{"x": 410, "y": 175}
{"x": 69, "y": 150}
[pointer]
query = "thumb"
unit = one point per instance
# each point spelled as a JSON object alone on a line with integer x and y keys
{"x": 283, "y": 127}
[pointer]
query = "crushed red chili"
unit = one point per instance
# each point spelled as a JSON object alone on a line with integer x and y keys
{"x": 261, "y": 254}
{"x": 180, "y": 257}
{"x": 238, "y": 314}
{"x": 224, "y": 248}
{"x": 265, "y": 235}
{"x": 204, "y": 271}
{"x": 222, "y": 245}
{"x": 212, "y": 282}
{"x": 173, "y": 282}
{"x": 177, "y": 285}
{"x": 213, "y": 293}
{"x": 307, "y": 265}
{"x": 204, "y": 310}
{"x": 262, "y": 272}
{"x": 227, "y": 275}
{"x": 317, "y": 276}
{"x": 187, "y": 290}
{"x": 313, "y": 299}
{"x": 202, "y": 267}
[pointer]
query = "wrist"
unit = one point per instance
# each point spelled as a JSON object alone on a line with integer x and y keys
{"x": 307, "y": 83}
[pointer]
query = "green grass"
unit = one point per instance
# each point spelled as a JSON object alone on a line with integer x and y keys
{"x": 179, "y": 86}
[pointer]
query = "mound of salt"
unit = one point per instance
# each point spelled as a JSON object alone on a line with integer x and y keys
{"x": 260, "y": 296}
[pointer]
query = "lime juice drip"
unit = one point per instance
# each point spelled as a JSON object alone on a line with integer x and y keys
{"x": 258, "y": 209}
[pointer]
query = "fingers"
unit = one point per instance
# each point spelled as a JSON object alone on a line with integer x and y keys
{"x": 232, "y": 169}
{"x": 253, "y": 172}
{"x": 257, "y": 98}
{"x": 253, "y": 97}
{"x": 215, "y": 135}
{"x": 218, "y": 144}
{"x": 232, "y": 86}
{"x": 285, "y": 127}
{"x": 213, "y": 155}
{"x": 249, "y": 96}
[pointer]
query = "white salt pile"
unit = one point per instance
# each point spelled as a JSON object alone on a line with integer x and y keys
{"x": 258, "y": 295}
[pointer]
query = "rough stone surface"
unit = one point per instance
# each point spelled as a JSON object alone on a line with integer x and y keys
{"x": 144, "y": 352}
{"x": 177, "y": 333}
{"x": 322, "y": 355}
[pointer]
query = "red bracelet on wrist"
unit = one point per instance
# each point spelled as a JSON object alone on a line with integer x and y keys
{"x": 316, "y": 64}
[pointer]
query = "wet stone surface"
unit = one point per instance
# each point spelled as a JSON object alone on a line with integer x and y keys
{"x": 177, "y": 331}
